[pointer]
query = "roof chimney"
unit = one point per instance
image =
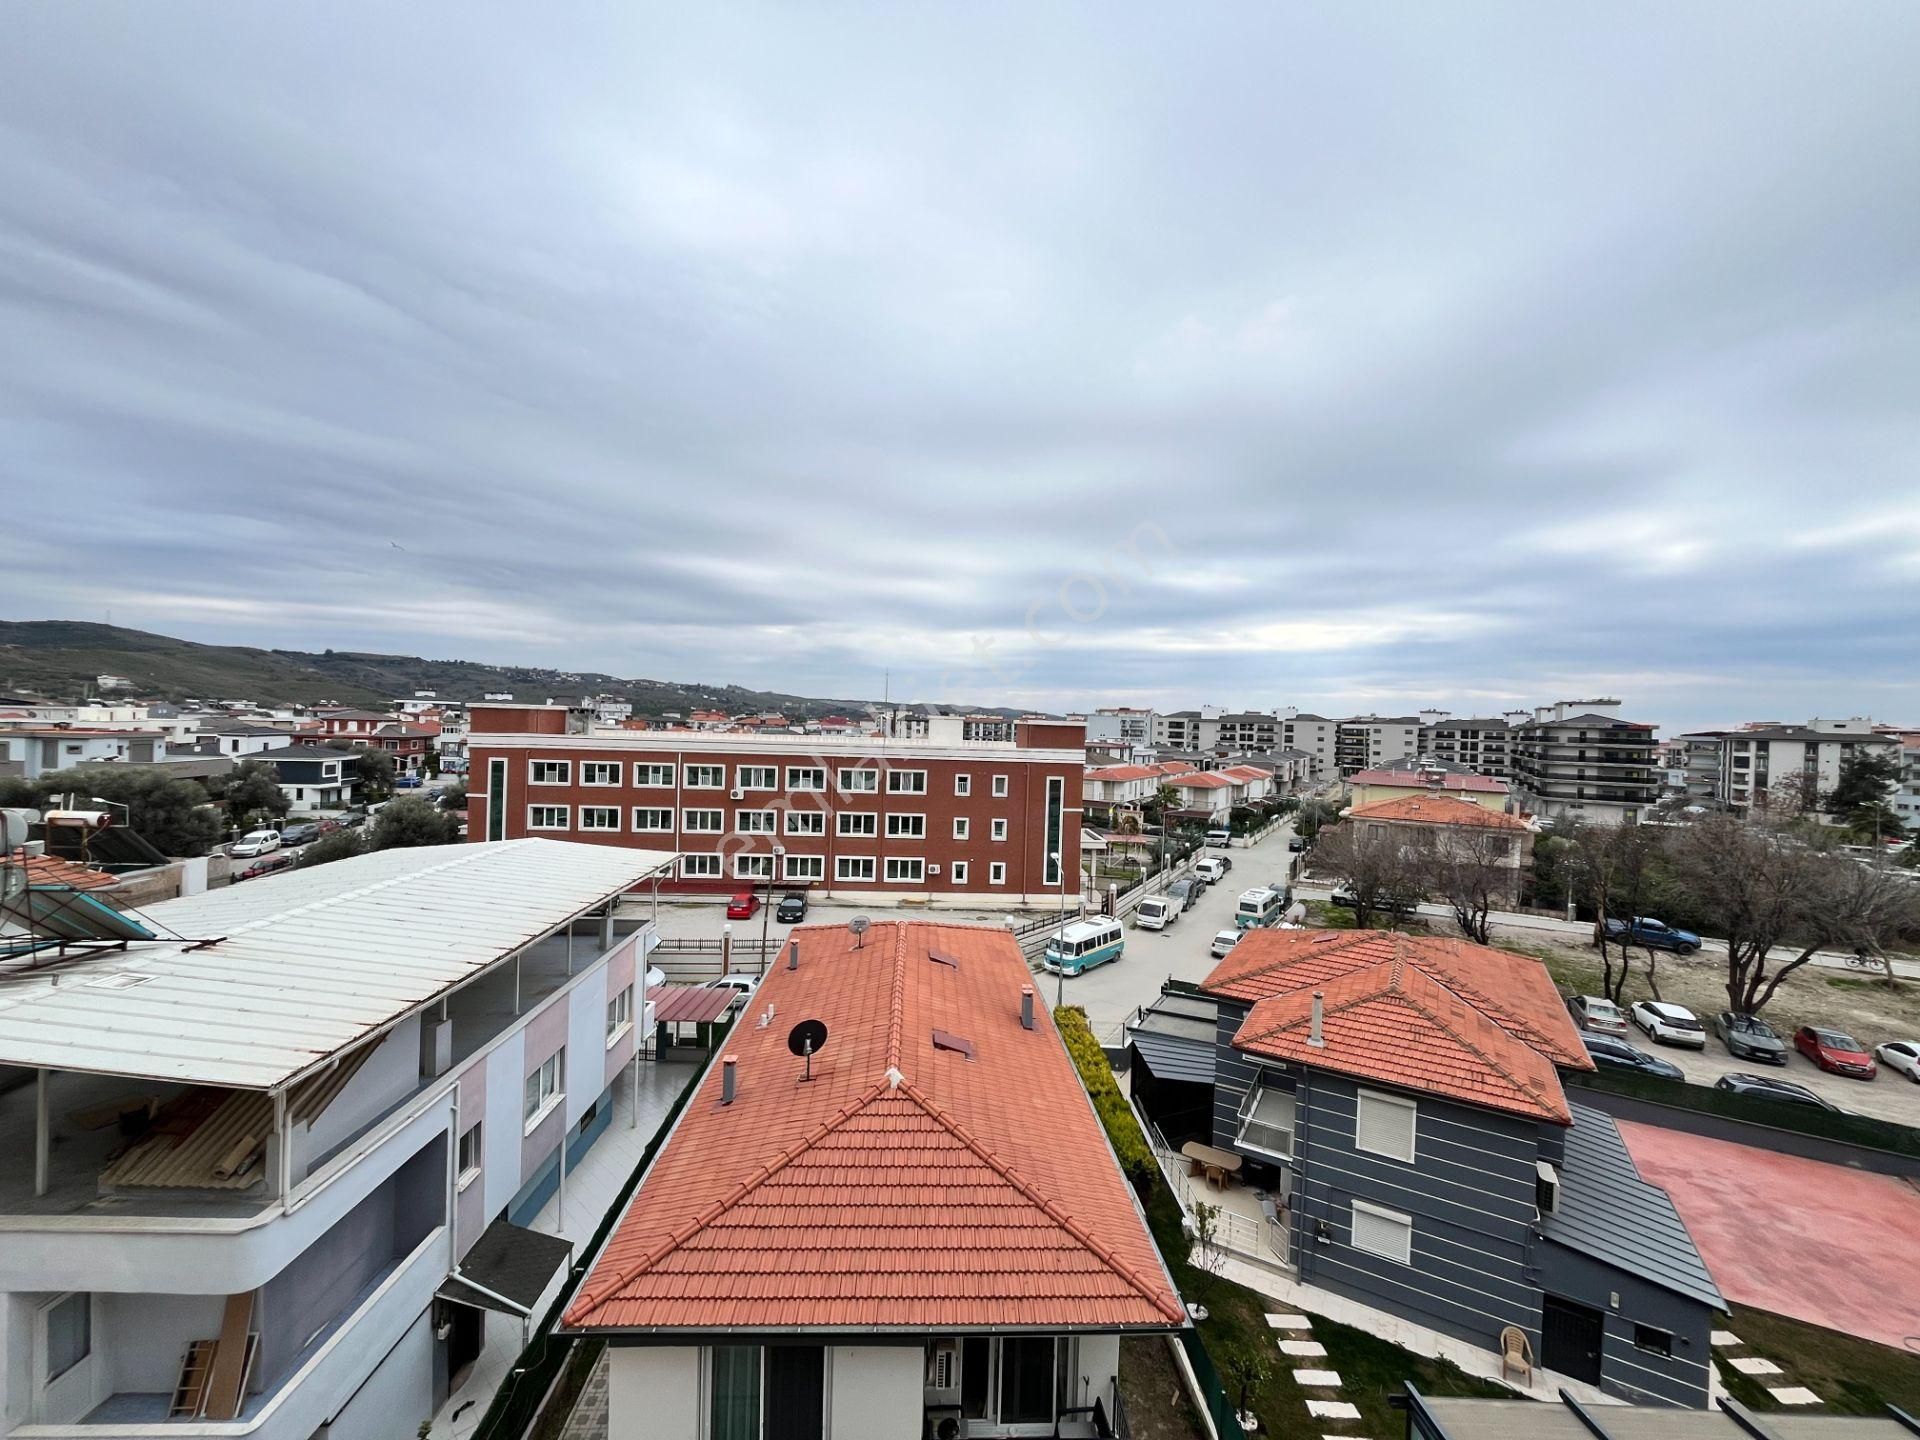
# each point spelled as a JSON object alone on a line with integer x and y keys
{"x": 728, "y": 1063}
{"x": 793, "y": 955}
{"x": 1314, "y": 1037}
{"x": 1026, "y": 1007}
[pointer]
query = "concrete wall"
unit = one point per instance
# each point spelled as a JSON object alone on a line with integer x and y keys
{"x": 397, "y": 1396}
{"x": 873, "y": 1391}
{"x": 653, "y": 1393}
{"x": 144, "y": 1336}
{"x": 545, "y": 1033}
{"x": 1638, "y": 1376}
{"x": 389, "y": 1076}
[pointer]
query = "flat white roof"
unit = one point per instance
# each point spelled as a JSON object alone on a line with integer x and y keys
{"x": 305, "y": 964}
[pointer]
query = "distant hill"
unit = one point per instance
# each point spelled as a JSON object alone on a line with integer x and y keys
{"x": 61, "y": 658}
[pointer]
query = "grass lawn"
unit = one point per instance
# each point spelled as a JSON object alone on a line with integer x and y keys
{"x": 1854, "y": 1377}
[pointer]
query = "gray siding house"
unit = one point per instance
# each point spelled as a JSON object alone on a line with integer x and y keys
{"x": 1397, "y": 1107}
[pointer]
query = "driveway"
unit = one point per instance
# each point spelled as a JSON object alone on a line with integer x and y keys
{"x": 1820, "y": 1243}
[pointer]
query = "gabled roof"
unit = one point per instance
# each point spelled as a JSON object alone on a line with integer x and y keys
{"x": 907, "y": 1186}
{"x": 1513, "y": 990}
{"x": 1426, "y": 779}
{"x": 1437, "y": 810}
{"x": 1394, "y": 1023}
{"x": 1200, "y": 780}
{"x": 1123, "y": 772}
{"x": 1246, "y": 773}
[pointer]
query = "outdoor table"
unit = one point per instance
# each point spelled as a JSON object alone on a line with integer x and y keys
{"x": 1217, "y": 1164}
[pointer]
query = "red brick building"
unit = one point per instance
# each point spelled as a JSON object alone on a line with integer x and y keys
{"x": 931, "y": 818}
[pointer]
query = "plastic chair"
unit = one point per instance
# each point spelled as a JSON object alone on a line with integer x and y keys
{"x": 1516, "y": 1353}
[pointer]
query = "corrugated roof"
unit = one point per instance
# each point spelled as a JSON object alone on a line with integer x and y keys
{"x": 690, "y": 1004}
{"x": 910, "y": 1184}
{"x": 1174, "y": 1057}
{"x": 305, "y": 963}
{"x": 1609, "y": 1212}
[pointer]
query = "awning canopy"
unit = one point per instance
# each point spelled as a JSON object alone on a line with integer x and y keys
{"x": 508, "y": 1269}
{"x": 1174, "y": 1057}
{"x": 690, "y": 1004}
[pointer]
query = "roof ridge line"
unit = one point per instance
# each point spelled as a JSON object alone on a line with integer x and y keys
{"x": 1468, "y": 1045}
{"x": 677, "y": 1238}
{"x": 897, "y": 1010}
{"x": 1052, "y": 1211}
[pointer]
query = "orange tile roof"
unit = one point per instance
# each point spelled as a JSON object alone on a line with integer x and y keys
{"x": 1246, "y": 772}
{"x": 1437, "y": 810}
{"x": 1428, "y": 780}
{"x": 1393, "y": 1022}
{"x": 1122, "y": 772}
{"x": 1512, "y": 990}
{"x": 905, "y": 1186}
{"x": 1199, "y": 780}
{"x": 49, "y": 870}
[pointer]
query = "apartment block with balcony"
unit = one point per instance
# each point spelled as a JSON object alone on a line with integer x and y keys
{"x": 1366, "y": 742}
{"x": 1483, "y": 746}
{"x": 1576, "y": 763}
{"x": 1762, "y": 766}
{"x": 879, "y": 819}
{"x": 1313, "y": 736}
{"x": 275, "y": 1147}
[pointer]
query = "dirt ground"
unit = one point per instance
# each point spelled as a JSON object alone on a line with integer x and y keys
{"x": 1156, "y": 1397}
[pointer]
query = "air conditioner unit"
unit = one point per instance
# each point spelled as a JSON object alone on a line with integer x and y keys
{"x": 933, "y": 869}
{"x": 736, "y": 793}
{"x": 1546, "y": 1188}
{"x": 943, "y": 1366}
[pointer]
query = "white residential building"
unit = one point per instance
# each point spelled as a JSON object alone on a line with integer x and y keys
{"x": 1746, "y": 769}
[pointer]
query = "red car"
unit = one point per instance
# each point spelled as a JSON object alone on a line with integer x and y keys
{"x": 1834, "y": 1050}
{"x": 743, "y": 906}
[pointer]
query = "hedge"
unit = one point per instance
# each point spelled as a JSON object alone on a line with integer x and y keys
{"x": 1136, "y": 1157}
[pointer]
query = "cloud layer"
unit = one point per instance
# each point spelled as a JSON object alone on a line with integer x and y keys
{"x": 1042, "y": 356}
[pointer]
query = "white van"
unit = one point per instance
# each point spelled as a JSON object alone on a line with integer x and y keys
{"x": 1156, "y": 912}
{"x": 1209, "y": 869}
{"x": 1219, "y": 835}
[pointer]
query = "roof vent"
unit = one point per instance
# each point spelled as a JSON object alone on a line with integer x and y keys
{"x": 940, "y": 957}
{"x": 119, "y": 980}
{"x": 942, "y": 1040}
{"x": 1026, "y": 1007}
{"x": 728, "y": 1064}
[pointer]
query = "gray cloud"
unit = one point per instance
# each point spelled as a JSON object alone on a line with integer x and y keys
{"x": 1475, "y": 356}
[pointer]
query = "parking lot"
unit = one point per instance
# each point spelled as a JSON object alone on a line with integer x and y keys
{"x": 1889, "y": 1097}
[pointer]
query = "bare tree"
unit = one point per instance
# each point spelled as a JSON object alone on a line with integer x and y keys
{"x": 1378, "y": 868}
{"x": 1612, "y": 868}
{"x": 1767, "y": 890}
{"x": 1468, "y": 867}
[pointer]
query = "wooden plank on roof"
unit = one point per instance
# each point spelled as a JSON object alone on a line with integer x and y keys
{"x": 227, "y": 1382}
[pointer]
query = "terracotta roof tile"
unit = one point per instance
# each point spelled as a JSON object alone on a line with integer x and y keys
{"x": 1393, "y": 1022}
{"x": 48, "y": 870}
{"x": 1512, "y": 990}
{"x": 1437, "y": 810}
{"x": 1428, "y": 780}
{"x": 905, "y": 1186}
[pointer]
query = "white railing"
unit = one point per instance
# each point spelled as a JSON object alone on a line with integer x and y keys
{"x": 1263, "y": 1240}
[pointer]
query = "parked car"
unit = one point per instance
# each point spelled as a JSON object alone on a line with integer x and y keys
{"x": 1209, "y": 870}
{"x": 353, "y": 819}
{"x": 1225, "y": 940}
{"x": 793, "y": 908}
{"x": 1226, "y": 861}
{"x": 1219, "y": 835}
{"x": 1156, "y": 912}
{"x": 1653, "y": 934}
{"x": 1186, "y": 892}
{"x": 255, "y": 842}
{"x": 1748, "y": 1037}
{"x": 1902, "y": 1057}
{"x": 407, "y": 782}
{"x": 743, "y": 906}
{"x": 1766, "y": 1087}
{"x": 741, "y": 985}
{"x": 1834, "y": 1051}
{"x": 1346, "y": 900}
{"x": 302, "y": 834}
{"x": 1602, "y": 1017}
{"x": 1611, "y": 1054}
{"x": 1296, "y": 843}
{"x": 265, "y": 865}
{"x": 1669, "y": 1024}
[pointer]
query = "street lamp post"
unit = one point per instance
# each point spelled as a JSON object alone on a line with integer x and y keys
{"x": 1060, "y": 960}
{"x": 767, "y": 909}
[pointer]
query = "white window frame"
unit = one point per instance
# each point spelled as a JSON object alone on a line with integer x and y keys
{"x": 642, "y": 827}
{"x": 899, "y": 829}
{"x": 549, "y": 1089}
{"x": 689, "y": 826}
{"x": 806, "y": 822}
{"x": 798, "y": 775}
{"x": 753, "y": 867}
{"x": 997, "y": 830}
{"x": 755, "y": 822}
{"x": 1380, "y": 1212}
{"x": 701, "y": 867}
{"x": 843, "y": 824}
{"x": 652, "y": 775}
{"x": 957, "y": 872}
{"x": 613, "y": 811}
{"x": 897, "y": 782}
{"x": 565, "y": 812}
{"x": 859, "y": 780}
{"x": 804, "y": 867}
{"x": 845, "y": 865}
{"x": 619, "y": 1016}
{"x": 1365, "y": 1099}
{"x": 962, "y": 826}
{"x": 1249, "y": 1103}
{"x": 564, "y": 767}
{"x": 611, "y": 767}
{"x": 475, "y": 1153}
{"x": 72, "y": 1391}
{"x": 997, "y": 872}
{"x": 695, "y": 777}
{"x": 1001, "y": 786}
{"x": 917, "y": 875}
{"x": 963, "y": 784}
{"x": 746, "y": 777}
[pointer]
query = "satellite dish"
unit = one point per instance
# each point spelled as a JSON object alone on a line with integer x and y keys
{"x": 807, "y": 1039}
{"x": 858, "y": 927}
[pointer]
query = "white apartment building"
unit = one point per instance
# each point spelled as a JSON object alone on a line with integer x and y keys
{"x": 1366, "y": 742}
{"x": 272, "y": 1149}
{"x": 1906, "y": 801}
{"x": 1744, "y": 769}
{"x": 1120, "y": 725}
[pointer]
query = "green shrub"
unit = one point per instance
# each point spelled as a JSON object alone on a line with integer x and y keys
{"x": 1136, "y": 1157}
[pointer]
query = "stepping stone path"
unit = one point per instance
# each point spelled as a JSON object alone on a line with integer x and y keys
{"x": 1760, "y": 1365}
{"x": 1332, "y": 1410}
{"x": 1289, "y": 1322}
{"x": 1754, "y": 1365}
{"x": 1317, "y": 1379}
{"x": 1724, "y": 1339}
{"x": 1300, "y": 1344}
{"x": 1794, "y": 1395}
{"x": 1308, "y": 1349}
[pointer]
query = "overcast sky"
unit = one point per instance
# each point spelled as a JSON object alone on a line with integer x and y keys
{"x": 1353, "y": 357}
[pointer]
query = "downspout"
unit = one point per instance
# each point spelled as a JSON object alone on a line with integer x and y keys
{"x": 283, "y": 1162}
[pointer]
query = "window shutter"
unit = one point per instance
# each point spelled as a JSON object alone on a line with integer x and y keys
{"x": 1381, "y": 1232}
{"x": 1383, "y": 1125}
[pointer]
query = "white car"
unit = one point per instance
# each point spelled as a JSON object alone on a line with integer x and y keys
{"x": 1225, "y": 940}
{"x": 741, "y": 985}
{"x": 1669, "y": 1024}
{"x": 1902, "y": 1056}
{"x": 255, "y": 842}
{"x": 1156, "y": 913}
